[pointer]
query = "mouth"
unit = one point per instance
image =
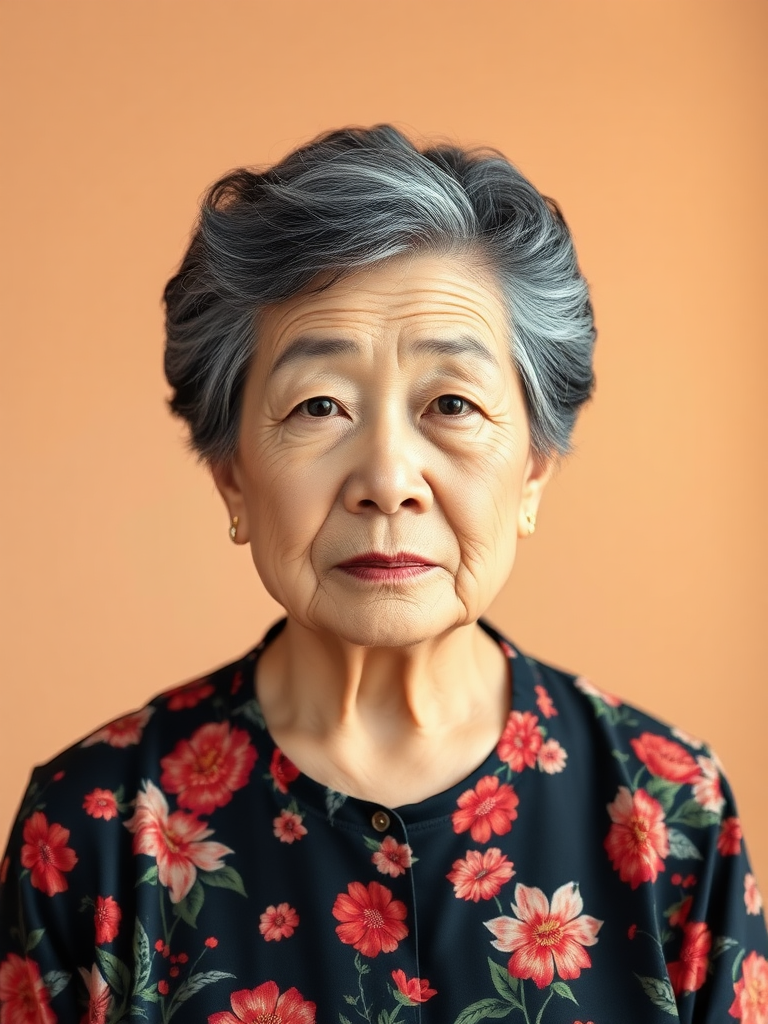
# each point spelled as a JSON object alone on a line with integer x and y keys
{"x": 378, "y": 567}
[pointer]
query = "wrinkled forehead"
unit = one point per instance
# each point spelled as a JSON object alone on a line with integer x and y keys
{"x": 407, "y": 300}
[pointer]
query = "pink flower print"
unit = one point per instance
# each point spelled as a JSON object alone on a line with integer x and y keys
{"x": 489, "y": 808}
{"x": 480, "y": 876}
{"x": 753, "y": 901}
{"x": 544, "y": 938}
{"x": 101, "y": 803}
{"x": 266, "y": 1005}
{"x": 551, "y": 757}
{"x": 415, "y": 989}
{"x": 706, "y": 789}
{"x": 392, "y": 858}
{"x": 729, "y": 840}
{"x": 689, "y": 973}
{"x": 124, "y": 732}
{"x": 544, "y": 702}
{"x": 208, "y": 768}
{"x": 288, "y": 827}
{"x": 520, "y": 741}
{"x": 46, "y": 854}
{"x": 638, "y": 841}
{"x": 178, "y": 842}
{"x": 282, "y": 770}
{"x": 371, "y": 920}
{"x": 750, "y": 1003}
{"x": 278, "y": 922}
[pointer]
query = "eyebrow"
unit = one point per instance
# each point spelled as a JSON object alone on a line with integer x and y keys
{"x": 313, "y": 348}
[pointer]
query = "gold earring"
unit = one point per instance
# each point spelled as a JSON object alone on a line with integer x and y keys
{"x": 233, "y": 529}
{"x": 530, "y": 518}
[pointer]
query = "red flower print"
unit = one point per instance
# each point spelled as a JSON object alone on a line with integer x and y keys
{"x": 544, "y": 937}
{"x": 689, "y": 972}
{"x": 266, "y": 1004}
{"x": 551, "y": 757}
{"x": 371, "y": 920}
{"x": 211, "y": 942}
{"x": 278, "y": 922}
{"x": 205, "y": 770}
{"x": 106, "y": 918}
{"x": 99, "y": 996}
{"x": 750, "y": 1003}
{"x": 679, "y": 914}
{"x": 729, "y": 840}
{"x": 706, "y": 789}
{"x": 282, "y": 770}
{"x": 59, "y": 776}
{"x": 665, "y": 758}
{"x": 544, "y": 702}
{"x": 100, "y": 803}
{"x": 520, "y": 741}
{"x": 631, "y": 932}
{"x": 638, "y": 841}
{"x": 189, "y": 695}
{"x": 23, "y": 995}
{"x": 392, "y": 858}
{"x": 415, "y": 989}
{"x": 288, "y": 827}
{"x": 480, "y": 876}
{"x": 753, "y": 901}
{"x": 125, "y": 732}
{"x": 163, "y": 987}
{"x": 488, "y": 808}
{"x": 589, "y": 688}
{"x": 46, "y": 854}
{"x": 174, "y": 840}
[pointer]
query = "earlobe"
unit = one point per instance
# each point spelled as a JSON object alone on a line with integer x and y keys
{"x": 537, "y": 475}
{"x": 226, "y": 477}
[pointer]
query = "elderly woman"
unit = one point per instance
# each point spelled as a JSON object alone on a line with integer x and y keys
{"x": 384, "y": 812}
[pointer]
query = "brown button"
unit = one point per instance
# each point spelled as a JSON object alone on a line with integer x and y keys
{"x": 380, "y": 821}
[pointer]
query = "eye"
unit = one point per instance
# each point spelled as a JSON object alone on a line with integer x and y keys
{"x": 317, "y": 407}
{"x": 452, "y": 405}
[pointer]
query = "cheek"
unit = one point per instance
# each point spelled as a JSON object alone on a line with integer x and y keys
{"x": 484, "y": 517}
{"x": 288, "y": 510}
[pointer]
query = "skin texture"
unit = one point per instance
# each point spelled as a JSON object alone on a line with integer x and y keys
{"x": 424, "y": 448}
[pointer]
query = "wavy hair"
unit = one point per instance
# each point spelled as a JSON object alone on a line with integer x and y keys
{"x": 350, "y": 199}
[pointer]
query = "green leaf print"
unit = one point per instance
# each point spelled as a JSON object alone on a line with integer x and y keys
{"x": 195, "y": 983}
{"x": 34, "y": 938}
{"x": 55, "y": 982}
{"x": 503, "y": 982}
{"x": 564, "y": 991}
{"x": 693, "y": 814}
{"x": 142, "y": 956}
{"x": 681, "y": 847}
{"x": 188, "y": 908}
{"x": 114, "y": 971}
{"x": 659, "y": 991}
{"x": 224, "y": 878}
{"x": 663, "y": 791}
{"x": 484, "y": 1009}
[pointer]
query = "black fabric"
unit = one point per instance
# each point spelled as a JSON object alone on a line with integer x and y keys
{"x": 175, "y": 865}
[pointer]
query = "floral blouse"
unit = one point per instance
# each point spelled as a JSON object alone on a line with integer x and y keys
{"x": 175, "y": 864}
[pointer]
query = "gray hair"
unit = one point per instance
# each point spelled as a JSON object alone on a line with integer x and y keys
{"x": 350, "y": 199}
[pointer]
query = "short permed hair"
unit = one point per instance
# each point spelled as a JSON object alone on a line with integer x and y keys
{"x": 351, "y": 199}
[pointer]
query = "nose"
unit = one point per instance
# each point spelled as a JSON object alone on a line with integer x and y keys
{"x": 387, "y": 471}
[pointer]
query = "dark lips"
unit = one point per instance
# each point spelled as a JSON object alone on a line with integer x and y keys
{"x": 377, "y": 560}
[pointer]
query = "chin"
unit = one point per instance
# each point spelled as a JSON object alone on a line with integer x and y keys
{"x": 389, "y": 622}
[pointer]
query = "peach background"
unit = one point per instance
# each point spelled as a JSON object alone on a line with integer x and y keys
{"x": 646, "y": 120}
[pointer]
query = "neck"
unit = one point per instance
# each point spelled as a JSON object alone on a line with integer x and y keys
{"x": 343, "y": 712}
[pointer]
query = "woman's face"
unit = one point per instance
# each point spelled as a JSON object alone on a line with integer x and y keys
{"x": 384, "y": 468}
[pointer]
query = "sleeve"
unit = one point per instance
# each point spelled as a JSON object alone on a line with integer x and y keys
{"x": 40, "y": 916}
{"x": 721, "y": 970}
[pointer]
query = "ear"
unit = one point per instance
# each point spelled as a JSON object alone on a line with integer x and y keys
{"x": 538, "y": 472}
{"x": 227, "y": 477}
